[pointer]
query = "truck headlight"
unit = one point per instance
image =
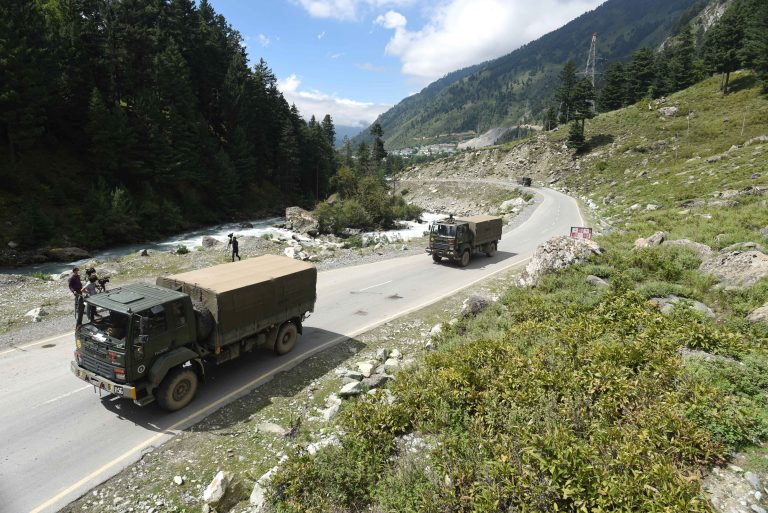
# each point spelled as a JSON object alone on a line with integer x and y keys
{"x": 79, "y": 343}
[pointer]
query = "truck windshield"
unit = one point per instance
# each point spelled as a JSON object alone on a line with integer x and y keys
{"x": 446, "y": 230}
{"x": 110, "y": 326}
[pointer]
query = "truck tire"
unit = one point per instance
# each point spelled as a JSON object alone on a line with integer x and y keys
{"x": 491, "y": 249}
{"x": 286, "y": 338}
{"x": 203, "y": 319}
{"x": 464, "y": 258}
{"x": 437, "y": 258}
{"x": 177, "y": 389}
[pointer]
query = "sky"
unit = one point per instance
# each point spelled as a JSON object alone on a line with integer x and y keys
{"x": 354, "y": 59}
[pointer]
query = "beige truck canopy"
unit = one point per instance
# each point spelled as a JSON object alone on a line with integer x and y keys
{"x": 249, "y": 295}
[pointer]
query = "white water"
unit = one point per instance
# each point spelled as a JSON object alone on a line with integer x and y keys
{"x": 194, "y": 239}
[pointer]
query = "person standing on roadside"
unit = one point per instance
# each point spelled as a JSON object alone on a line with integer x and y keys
{"x": 91, "y": 289}
{"x": 76, "y": 287}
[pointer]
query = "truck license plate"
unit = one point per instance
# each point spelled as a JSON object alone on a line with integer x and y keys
{"x": 117, "y": 390}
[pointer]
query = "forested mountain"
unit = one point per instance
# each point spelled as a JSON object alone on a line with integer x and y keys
{"x": 122, "y": 120}
{"x": 520, "y": 85}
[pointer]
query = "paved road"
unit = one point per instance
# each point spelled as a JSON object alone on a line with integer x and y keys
{"x": 58, "y": 439}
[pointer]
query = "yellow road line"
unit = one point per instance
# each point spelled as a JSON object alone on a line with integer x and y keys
{"x": 251, "y": 384}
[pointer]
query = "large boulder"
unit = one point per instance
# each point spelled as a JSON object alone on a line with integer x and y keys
{"x": 737, "y": 269}
{"x": 557, "y": 253}
{"x": 67, "y": 254}
{"x": 702, "y": 250}
{"x": 299, "y": 220}
{"x": 214, "y": 492}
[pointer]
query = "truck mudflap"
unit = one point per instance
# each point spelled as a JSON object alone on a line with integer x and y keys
{"x": 118, "y": 389}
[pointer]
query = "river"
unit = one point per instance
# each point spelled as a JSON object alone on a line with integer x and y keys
{"x": 193, "y": 239}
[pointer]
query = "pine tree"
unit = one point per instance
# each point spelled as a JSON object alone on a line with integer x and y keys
{"x": 329, "y": 130}
{"x": 723, "y": 45}
{"x": 564, "y": 94}
{"x": 682, "y": 66}
{"x": 550, "y": 118}
{"x": 755, "y": 50}
{"x": 583, "y": 103}
{"x": 641, "y": 75}
{"x": 614, "y": 93}
{"x": 378, "y": 153}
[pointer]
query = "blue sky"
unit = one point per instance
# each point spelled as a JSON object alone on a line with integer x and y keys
{"x": 354, "y": 59}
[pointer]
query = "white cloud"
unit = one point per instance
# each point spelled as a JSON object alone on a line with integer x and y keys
{"x": 367, "y": 66}
{"x": 466, "y": 32}
{"x": 264, "y": 40}
{"x": 347, "y": 10}
{"x": 321, "y": 35}
{"x": 344, "y": 111}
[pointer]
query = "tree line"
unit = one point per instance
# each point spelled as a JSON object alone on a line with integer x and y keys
{"x": 121, "y": 120}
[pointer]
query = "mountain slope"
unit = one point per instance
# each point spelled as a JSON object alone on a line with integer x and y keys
{"x": 520, "y": 84}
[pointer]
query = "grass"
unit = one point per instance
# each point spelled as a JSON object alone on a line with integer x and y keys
{"x": 563, "y": 397}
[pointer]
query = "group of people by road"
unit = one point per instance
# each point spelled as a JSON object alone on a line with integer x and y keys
{"x": 80, "y": 291}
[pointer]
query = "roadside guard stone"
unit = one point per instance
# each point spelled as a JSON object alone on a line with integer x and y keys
{"x": 351, "y": 389}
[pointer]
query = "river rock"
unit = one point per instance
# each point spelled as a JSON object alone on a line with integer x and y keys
{"x": 302, "y": 221}
{"x": 12, "y": 244}
{"x": 66, "y": 254}
{"x": 759, "y": 315}
{"x": 668, "y": 304}
{"x": 143, "y": 253}
{"x": 702, "y": 250}
{"x": 739, "y": 269}
{"x": 178, "y": 480}
{"x": 557, "y": 253}
{"x": 209, "y": 242}
{"x": 215, "y": 491}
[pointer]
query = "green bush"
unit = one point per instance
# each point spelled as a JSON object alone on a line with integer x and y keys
{"x": 181, "y": 249}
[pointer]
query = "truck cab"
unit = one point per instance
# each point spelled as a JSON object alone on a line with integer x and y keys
{"x": 131, "y": 330}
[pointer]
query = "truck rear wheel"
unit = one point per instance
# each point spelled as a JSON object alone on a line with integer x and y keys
{"x": 437, "y": 258}
{"x": 177, "y": 389}
{"x": 464, "y": 258}
{"x": 286, "y": 338}
{"x": 491, "y": 249}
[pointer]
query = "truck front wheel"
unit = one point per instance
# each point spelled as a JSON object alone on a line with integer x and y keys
{"x": 286, "y": 338}
{"x": 464, "y": 258}
{"x": 177, "y": 389}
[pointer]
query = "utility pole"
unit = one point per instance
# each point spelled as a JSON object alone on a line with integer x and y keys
{"x": 589, "y": 72}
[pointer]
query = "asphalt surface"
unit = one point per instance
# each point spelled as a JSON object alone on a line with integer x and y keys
{"x": 58, "y": 438}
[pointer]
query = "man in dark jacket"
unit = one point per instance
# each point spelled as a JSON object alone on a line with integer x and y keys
{"x": 235, "y": 252}
{"x": 76, "y": 287}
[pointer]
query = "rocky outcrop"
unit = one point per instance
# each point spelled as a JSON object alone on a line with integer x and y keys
{"x": 737, "y": 269}
{"x": 209, "y": 242}
{"x": 302, "y": 221}
{"x": 474, "y": 305}
{"x": 66, "y": 254}
{"x": 557, "y": 253}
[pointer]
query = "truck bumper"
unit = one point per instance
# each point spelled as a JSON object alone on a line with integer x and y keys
{"x": 445, "y": 253}
{"x": 118, "y": 389}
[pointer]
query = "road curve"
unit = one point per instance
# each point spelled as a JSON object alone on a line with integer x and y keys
{"x": 57, "y": 439}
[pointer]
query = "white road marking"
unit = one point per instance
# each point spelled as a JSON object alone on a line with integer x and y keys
{"x": 374, "y": 286}
{"x": 62, "y": 396}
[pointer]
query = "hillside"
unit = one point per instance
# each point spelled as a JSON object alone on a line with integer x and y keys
{"x": 576, "y": 394}
{"x": 520, "y": 85}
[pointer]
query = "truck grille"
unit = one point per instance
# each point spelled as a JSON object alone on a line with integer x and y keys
{"x": 441, "y": 245}
{"x": 93, "y": 364}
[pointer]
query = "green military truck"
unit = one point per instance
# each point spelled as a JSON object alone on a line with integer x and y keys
{"x": 151, "y": 342}
{"x": 458, "y": 239}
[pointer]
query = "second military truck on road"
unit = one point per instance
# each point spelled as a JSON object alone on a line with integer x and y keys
{"x": 150, "y": 342}
{"x": 458, "y": 238}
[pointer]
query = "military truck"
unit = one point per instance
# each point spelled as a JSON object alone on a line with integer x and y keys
{"x": 525, "y": 181}
{"x": 153, "y": 342}
{"x": 459, "y": 238}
